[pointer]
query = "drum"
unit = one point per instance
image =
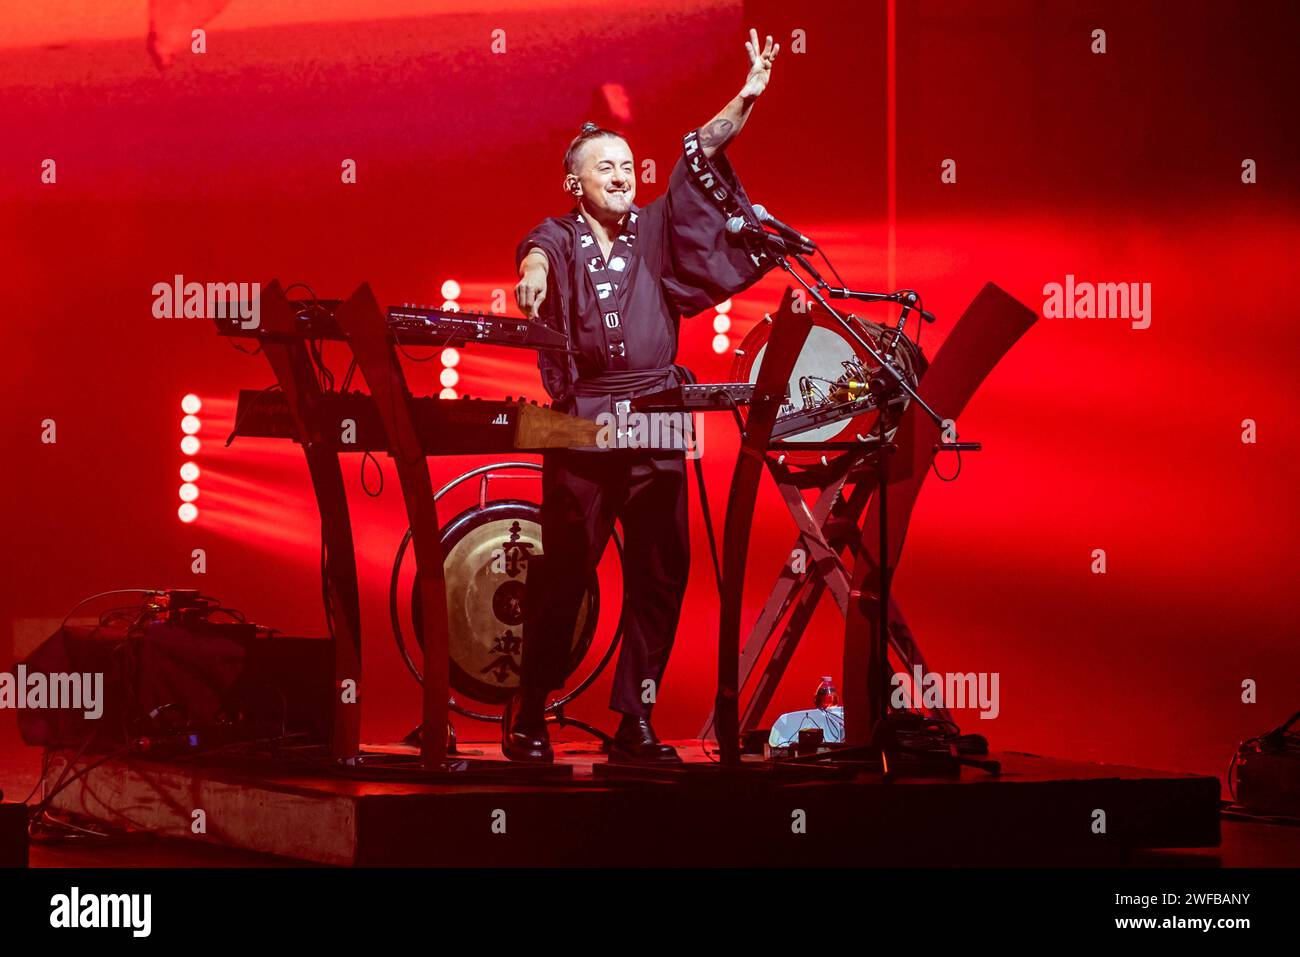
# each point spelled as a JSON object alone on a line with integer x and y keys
{"x": 830, "y": 406}
{"x": 487, "y": 549}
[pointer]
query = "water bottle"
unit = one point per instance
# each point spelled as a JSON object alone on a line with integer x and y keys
{"x": 827, "y": 696}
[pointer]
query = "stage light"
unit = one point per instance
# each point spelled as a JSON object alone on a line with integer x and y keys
{"x": 721, "y": 323}
{"x": 447, "y": 394}
{"x": 450, "y": 357}
{"x": 720, "y": 343}
{"x": 190, "y": 424}
{"x": 723, "y": 307}
{"x": 451, "y": 289}
{"x": 451, "y": 306}
{"x": 449, "y": 377}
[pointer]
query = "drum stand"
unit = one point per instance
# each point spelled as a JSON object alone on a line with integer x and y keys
{"x": 829, "y": 527}
{"x": 889, "y": 746}
{"x": 866, "y": 676}
{"x": 825, "y": 530}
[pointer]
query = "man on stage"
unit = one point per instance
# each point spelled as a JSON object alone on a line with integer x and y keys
{"x": 617, "y": 278}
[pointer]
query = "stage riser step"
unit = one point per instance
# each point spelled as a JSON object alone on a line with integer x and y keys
{"x": 700, "y": 824}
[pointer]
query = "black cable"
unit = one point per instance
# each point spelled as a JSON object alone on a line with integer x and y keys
{"x": 1238, "y": 813}
{"x": 235, "y": 614}
{"x": 234, "y": 746}
{"x": 65, "y": 831}
{"x": 741, "y": 425}
{"x": 114, "y": 591}
{"x": 834, "y": 721}
{"x": 920, "y": 321}
{"x": 832, "y": 268}
{"x": 315, "y": 347}
{"x": 234, "y": 431}
{"x": 730, "y": 400}
{"x": 934, "y": 466}
{"x": 370, "y": 457}
{"x": 347, "y": 376}
{"x": 919, "y": 306}
{"x": 311, "y": 293}
{"x": 45, "y": 766}
{"x": 708, "y": 520}
{"x": 325, "y": 378}
{"x": 1232, "y": 768}
{"x": 60, "y": 784}
{"x": 704, "y": 742}
{"x": 436, "y": 351}
{"x": 324, "y": 584}
{"x": 234, "y": 344}
{"x": 124, "y": 615}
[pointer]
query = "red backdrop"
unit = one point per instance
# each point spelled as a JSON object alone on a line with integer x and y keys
{"x": 1115, "y": 167}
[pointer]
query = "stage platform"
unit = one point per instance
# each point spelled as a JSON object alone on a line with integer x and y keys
{"x": 1038, "y": 811}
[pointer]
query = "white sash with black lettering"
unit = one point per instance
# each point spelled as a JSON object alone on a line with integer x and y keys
{"x": 605, "y": 280}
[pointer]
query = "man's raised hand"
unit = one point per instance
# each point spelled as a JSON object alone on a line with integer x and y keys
{"x": 760, "y": 69}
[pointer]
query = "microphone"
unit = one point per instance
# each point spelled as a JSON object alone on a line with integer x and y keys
{"x": 737, "y": 225}
{"x": 789, "y": 232}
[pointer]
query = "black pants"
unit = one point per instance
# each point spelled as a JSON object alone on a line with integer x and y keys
{"x": 582, "y": 494}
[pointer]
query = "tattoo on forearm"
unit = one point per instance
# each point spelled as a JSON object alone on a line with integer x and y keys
{"x": 716, "y": 133}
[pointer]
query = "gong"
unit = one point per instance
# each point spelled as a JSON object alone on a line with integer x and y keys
{"x": 487, "y": 551}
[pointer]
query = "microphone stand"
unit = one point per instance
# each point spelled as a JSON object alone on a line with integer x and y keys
{"x": 886, "y": 737}
{"x": 906, "y": 297}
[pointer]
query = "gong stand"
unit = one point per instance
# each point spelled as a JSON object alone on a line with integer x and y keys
{"x": 555, "y": 710}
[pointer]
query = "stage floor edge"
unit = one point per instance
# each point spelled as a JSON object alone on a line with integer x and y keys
{"x": 1039, "y": 811}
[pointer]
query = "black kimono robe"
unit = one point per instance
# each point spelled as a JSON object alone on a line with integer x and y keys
{"x": 680, "y": 262}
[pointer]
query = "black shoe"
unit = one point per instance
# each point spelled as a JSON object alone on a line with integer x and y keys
{"x": 524, "y": 736}
{"x": 635, "y": 742}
